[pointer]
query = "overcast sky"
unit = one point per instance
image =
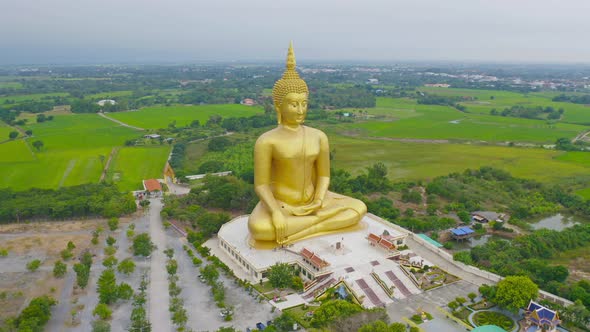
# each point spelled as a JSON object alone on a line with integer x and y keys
{"x": 115, "y": 31}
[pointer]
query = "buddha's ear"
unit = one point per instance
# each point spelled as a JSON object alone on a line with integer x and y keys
{"x": 278, "y": 111}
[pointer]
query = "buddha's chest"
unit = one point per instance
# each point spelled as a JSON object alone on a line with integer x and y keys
{"x": 299, "y": 149}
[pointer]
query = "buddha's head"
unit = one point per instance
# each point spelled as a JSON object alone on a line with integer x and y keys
{"x": 290, "y": 93}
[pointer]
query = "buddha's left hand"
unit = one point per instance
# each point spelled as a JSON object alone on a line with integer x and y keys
{"x": 307, "y": 209}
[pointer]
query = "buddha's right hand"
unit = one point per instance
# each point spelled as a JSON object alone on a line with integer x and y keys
{"x": 278, "y": 220}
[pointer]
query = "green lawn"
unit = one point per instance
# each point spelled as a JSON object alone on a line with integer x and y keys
{"x": 411, "y": 120}
{"x": 15, "y": 151}
{"x": 160, "y": 116}
{"x": 133, "y": 164}
{"x": 413, "y": 161}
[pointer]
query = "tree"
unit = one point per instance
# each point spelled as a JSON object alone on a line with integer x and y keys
{"x": 381, "y": 326}
{"x": 124, "y": 291}
{"x": 101, "y": 326}
{"x": 280, "y": 275}
{"x": 33, "y": 265}
{"x": 110, "y": 241}
{"x": 82, "y": 274}
{"x": 172, "y": 266}
{"x": 142, "y": 245}
{"x": 113, "y": 223}
{"x": 472, "y": 296}
{"x": 218, "y": 144}
{"x": 35, "y": 315}
{"x": 71, "y": 245}
{"x": 103, "y": 311}
{"x": 109, "y": 262}
{"x": 13, "y": 134}
{"x": 515, "y": 292}
{"x": 29, "y": 132}
{"x": 126, "y": 266}
{"x": 453, "y": 305}
{"x": 284, "y": 322}
{"x": 107, "y": 287}
{"x": 59, "y": 269}
{"x": 464, "y": 216}
{"x": 210, "y": 274}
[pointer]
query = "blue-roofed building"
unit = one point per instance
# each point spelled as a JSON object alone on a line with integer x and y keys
{"x": 541, "y": 318}
{"x": 461, "y": 233}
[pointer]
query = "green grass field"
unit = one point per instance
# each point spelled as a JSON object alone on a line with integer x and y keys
{"x": 407, "y": 119}
{"x": 4, "y": 131}
{"x": 413, "y": 161}
{"x": 133, "y": 164}
{"x": 10, "y": 85}
{"x": 70, "y": 156}
{"x": 111, "y": 94}
{"x": 574, "y": 113}
{"x": 80, "y": 131}
{"x": 160, "y": 116}
{"x": 37, "y": 96}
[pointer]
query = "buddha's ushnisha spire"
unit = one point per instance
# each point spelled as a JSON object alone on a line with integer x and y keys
{"x": 291, "y": 73}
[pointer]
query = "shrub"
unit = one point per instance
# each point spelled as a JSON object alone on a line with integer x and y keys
{"x": 130, "y": 233}
{"x": 109, "y": 251}
{"x": 124, "y": 291}
{"x": 197, "y": 261}
{"x": 71, "y": 245}
{"x": 126, "y": 266}
{"x": 101, "y": 326}
{"x": 113, "y": 223}
{"x": 103, "y": 311}
{"x": 59, "y": 269}
{"x": 66, "y": 254}
{"x": 111, "y": 240}
{"x": 109, "y": 262}
{"x": 3, "y": 252}
{"x": 33, "y": 265}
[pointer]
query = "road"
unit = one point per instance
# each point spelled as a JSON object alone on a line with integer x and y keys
{"x": 119, "y": 122}
{"x": 159, "y": 298}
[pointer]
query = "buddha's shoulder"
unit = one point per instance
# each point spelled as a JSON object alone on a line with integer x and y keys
{"x": 268, "y": 137}
{"x": 315, "y": 132}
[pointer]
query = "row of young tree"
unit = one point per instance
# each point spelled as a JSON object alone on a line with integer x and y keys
{"x": 519, "y": 111}
{"x": 88, "y": 200}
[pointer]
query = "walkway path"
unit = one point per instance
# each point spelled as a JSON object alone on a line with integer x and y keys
{"x": 108, "y": 164}
{"x": 158, "y": 288}
{"x": 581, "y": 136}
{"x": 119, "y": 122}
{"x": 445, "y": 264}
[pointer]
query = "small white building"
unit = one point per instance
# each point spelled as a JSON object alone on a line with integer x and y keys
{"x": 106, "y": 101}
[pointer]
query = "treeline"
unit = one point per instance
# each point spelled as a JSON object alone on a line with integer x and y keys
{"x": 528, "y": 255}
{"x": 452, "y": 101}
{"x": 519, "y": 111}
{"x": 576, "y": 99}
{"x": 88, "y": 200}
{"x": 474, "y": 189}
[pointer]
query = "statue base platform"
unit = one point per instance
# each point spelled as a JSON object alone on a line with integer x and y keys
{"x": 359, "y": 256}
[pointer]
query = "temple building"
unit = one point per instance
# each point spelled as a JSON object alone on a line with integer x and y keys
{"x": 540, "y": 318}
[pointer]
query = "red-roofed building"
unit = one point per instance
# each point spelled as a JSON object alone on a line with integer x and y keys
{"x": 248, "y": 102}
{"x": 152, "y": 186}
{"x": 381, "y": 241}
{"x": 313, "y": 259}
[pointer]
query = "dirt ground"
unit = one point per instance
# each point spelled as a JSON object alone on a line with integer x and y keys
{"x": 44, "y": 241}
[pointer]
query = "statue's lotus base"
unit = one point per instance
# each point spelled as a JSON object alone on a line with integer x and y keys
{"x": 267, "y": 245}
{"x": 324, "y": 259}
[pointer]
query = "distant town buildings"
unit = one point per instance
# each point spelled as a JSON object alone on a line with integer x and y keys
{"x": 248, "y": 102}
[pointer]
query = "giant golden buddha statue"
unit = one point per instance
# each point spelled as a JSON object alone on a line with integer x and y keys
{"x": 292, "y": 173}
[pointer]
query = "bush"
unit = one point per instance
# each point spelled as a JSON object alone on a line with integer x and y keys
{"x": 71, "y": 245}
{"x": 113, "y": 223}
{"x": 130, "y": 233}
{"x": 3, "y": 252}
{"x": 66, "y": 254}
{"x": 33, "y": 265}
{"x": 109, "y": 251}
{"x": 126, "y": 266}
{"x": 35, "y": 315}
{"x": 59, "y": 269}
{"x": 101, "y": 326}
{"x": 448, "y": 245}
{"x": 109, "y": 262}
{"x": 197, "y": 261}
{"x": 103, "y": 311}
{"x": 124, "y": 291}
{"x": 111, "y": 240}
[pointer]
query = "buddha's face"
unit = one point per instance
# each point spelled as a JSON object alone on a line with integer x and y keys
{"x": 293, "y": 109}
